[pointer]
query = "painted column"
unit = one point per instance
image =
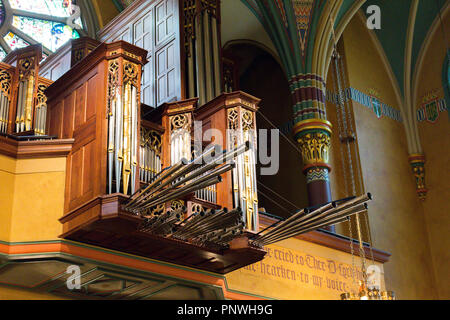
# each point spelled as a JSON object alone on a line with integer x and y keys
{"x": 417, "y": 162}
{"x": 313, "y": 133}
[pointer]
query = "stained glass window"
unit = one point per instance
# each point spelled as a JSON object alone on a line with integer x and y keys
{"x": 51, "y": 34}
{"x": 2, "y": 13}
{"x": 38, "y": 21}
{"x": 56, "y": 8}
{"x": 14, "y": 41}
{"x": 2, "y": 54}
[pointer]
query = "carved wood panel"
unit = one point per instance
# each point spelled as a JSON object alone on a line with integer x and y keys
{"x": 165, "y": 72}
{"x": 153, "y": 26}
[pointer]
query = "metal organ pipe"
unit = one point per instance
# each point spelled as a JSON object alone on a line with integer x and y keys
{"x": 209, "y": 67}
{"x": 199, "y": 49}
{"x": 216, "y": 57}
{"x": 123, "y": 127}
{"x": 202, "y": 50}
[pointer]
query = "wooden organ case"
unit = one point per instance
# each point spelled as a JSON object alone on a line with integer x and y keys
{"x": 124, "y": 147}
{"x": 116, "y": 155}
{"x": 23, "y": 103}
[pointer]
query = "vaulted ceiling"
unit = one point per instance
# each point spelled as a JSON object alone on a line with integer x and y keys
{"x": 401, "y": 18}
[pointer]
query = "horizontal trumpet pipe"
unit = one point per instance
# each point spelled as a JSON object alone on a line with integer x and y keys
{"x": 195, "y": 224}
{"x": 135, "y": 197}
{"x": 318, "y": 213}
{"x": 217, "y": 221}
{"x": 298, "y": 217}
{"x": 318, "y": 224}
{"x": 183, "y": 192}
{"x": 215, "y": 172}
{"x": 209, "y": 228}
{"x": 313, "y": 219}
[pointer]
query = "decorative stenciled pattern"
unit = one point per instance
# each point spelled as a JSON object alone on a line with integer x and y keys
{"x": 378, "y": 107}
{"x": 431, "y": 110}
{"x": 317, "y": 174}
{"x": 303, "y": 10}
{"x": 52, "y": 34}
{"x": 432, "y": 106}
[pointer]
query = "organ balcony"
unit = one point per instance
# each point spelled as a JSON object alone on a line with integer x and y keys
{"x": 133, "y": 180}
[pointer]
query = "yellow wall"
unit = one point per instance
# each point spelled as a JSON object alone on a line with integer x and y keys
{"x": 105, "y": 10}
{"x": 396, "y": 214}
{"x": 32, "y": 192}
{"x": 435, "y": 142}
{"x": 297, "y": 269}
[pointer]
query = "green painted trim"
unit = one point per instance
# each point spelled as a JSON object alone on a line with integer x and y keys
{"x": 277, "y": 33}
{"x": 318, "y": 9}
{"x": 292, "y": 31}
{"x": 29, "y": 242}
{"x": 272, "y": 35}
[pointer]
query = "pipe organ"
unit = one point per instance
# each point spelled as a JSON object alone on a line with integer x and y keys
{"x": 150, "y": 154}
{"x": 201, "y": 21}
{"x": 25, "y": 95}
{"x": 234, "y": 117}
{"x": 5, "y": 97}
{"x": 123, "y": 124}
{"x": 242, "y": 128}
{"x": 23, "y": 102}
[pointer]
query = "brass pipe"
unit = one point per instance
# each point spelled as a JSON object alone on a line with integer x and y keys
{"x": 309, "y": 219}
{"x": 184, "y": 192}
{"x": 316, "y": 224}
{"x": 163, "y": 176}
{"x": 219, "y": 221}
{"x": 164, "y": 193}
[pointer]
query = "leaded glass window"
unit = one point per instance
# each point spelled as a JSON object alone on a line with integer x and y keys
{"x": 50, "y": 22}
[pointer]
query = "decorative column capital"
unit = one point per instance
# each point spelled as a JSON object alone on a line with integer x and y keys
{"x": 417, "y": 162}
{"x": 314, "y": 138}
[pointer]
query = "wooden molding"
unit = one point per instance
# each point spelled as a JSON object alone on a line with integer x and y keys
{"x": 35, "y": 149}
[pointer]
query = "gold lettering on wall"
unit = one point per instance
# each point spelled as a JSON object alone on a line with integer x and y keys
{"x": 290, "y": 274}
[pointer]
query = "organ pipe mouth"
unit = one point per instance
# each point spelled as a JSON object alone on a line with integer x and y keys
{"x": 369, "y": 195}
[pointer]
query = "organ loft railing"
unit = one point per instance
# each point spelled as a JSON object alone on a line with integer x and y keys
{"x": 23, "y": 103}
